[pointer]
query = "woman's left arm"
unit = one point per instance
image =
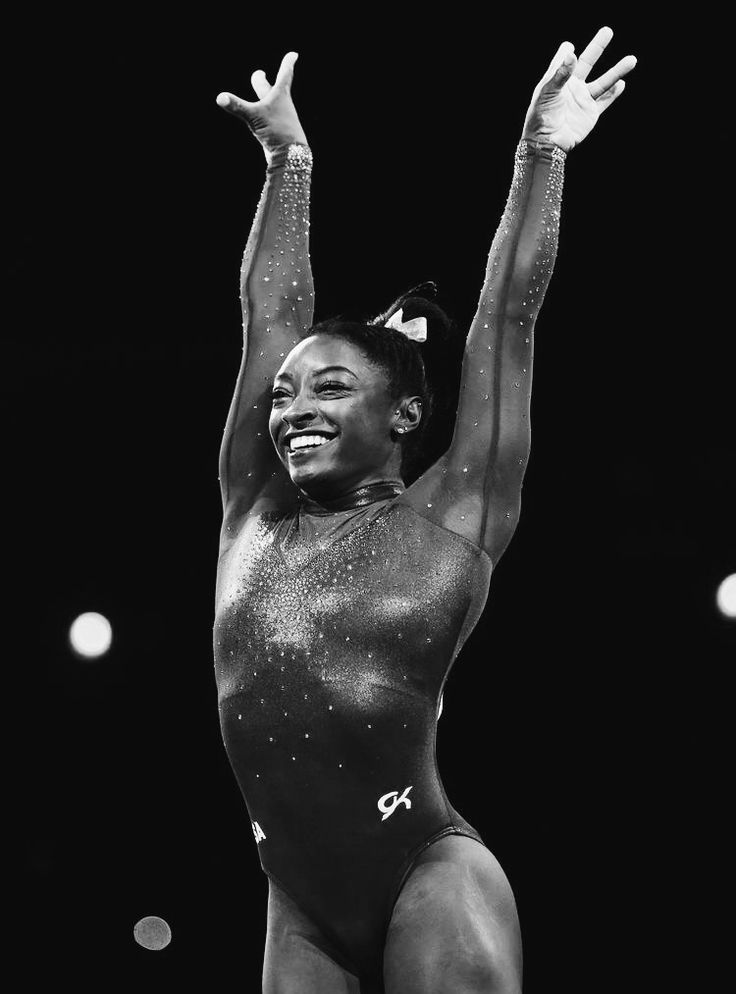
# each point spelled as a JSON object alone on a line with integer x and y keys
{"x": 475, "y": 489}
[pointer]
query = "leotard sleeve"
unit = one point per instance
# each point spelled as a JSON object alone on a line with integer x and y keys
{"x": 277, "y": 295}
{"x": 475, "y": 488}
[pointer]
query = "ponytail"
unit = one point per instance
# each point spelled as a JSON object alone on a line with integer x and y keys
{"x": 441, "y": 354}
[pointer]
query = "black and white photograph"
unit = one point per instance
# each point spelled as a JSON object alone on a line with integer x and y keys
{"x": 372, "y": 496}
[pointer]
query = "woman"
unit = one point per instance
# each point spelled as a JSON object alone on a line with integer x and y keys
{"x": 343, "y": 596}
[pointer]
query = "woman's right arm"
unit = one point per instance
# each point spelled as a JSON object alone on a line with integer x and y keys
{"x": 277, "y": 294}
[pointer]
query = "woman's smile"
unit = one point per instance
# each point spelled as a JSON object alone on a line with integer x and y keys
{"x": 304, "y": 445}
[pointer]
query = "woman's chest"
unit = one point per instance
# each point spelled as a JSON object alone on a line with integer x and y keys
{"x": 381, "y": 589}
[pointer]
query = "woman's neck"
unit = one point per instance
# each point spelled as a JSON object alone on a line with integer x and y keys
{"x": 369, "y": 493}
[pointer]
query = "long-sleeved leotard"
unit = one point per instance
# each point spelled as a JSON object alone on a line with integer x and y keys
{"x": 475, "y": 488}
{"x": 277, "y": 295}
{"x": 336, "y": 626}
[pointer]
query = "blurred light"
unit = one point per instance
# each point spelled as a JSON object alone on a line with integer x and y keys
{"x": 90, "y": 635}
{"x": 726, "y": 596}
{"x": 152, "y": 933}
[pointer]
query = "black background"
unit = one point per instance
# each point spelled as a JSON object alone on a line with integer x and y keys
{"x": 582, "y": 731}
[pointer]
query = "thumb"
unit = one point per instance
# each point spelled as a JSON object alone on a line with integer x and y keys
{"x": 564, "y": 69}
{"x": 235, "y": 105}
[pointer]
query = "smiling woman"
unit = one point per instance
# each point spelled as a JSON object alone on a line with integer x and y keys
{"x": 344, "y": 596}
{"x": 347, "y": 388}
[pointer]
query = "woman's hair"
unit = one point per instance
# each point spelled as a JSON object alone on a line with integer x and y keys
{"x": 429, "y": 369}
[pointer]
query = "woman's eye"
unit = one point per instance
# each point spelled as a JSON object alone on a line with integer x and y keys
{"x": 332, "y": 386}
{"x": 279, "y": 394}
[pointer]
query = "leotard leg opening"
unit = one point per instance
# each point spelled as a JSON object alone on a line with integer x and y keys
{"x": 317, "y": 933}
{"x": 411, "y": 861}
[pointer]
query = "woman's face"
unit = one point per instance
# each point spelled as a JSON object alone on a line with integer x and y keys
{"x": 329, "y": 394}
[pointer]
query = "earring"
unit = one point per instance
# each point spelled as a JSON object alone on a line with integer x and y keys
{"x": 401, "y": 430}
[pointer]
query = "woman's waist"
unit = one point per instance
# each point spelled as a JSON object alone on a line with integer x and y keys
{"x": 301, "y": 805}
{"x": 328, "y": 721}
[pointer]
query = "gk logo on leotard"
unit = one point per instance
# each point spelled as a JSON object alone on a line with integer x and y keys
{"x": 258, "y": 832}
{"x": 389, "y": 806}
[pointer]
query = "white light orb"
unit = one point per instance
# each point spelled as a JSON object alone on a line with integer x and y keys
{"x": 152, "y": 932}
{"x": 726, "y": 596}
{"x": 90, "y": 635}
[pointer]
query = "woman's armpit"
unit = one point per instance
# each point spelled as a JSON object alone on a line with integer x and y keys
{"x": 453, "y": 500}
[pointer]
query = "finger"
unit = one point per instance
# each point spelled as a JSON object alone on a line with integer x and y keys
{"x": 566, "y": 46}
{"x": 286, "y": 69}
{"x": 260, "y": 84}
{"x": 236, "y": 105}
{"x": 563, "y": 72}
{"x": 607, "y": 98}
{"x": 610, "y": 78}
{"x": 593, "y": 52}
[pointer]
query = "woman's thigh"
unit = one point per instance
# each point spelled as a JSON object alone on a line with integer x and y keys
{"x": 454, "y": 928}
{"x": 297, "y": 959}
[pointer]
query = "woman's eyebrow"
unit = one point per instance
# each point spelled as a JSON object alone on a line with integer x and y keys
{"x": 340, "y": 369}
{"x": 323, "y": 369}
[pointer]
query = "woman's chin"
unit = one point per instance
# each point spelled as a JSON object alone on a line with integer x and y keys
{"x": 316, "y": 483}
{"x": 301, "y": 475}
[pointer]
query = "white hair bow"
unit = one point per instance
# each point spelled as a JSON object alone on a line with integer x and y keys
{"x": 416, "y": 329}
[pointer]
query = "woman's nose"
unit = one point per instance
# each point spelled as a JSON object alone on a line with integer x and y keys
{"x": 300, "y": 411}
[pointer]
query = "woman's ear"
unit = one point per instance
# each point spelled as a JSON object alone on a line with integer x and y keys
{"x": 412, "y": 413}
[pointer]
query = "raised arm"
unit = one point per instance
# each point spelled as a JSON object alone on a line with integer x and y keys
{"x": 277, "y": 292}
{"x": 475, "y": 489}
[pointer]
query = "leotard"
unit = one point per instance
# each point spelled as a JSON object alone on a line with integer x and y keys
{"x": 337, "y": 623}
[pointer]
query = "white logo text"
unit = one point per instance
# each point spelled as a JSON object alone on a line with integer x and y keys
{"x": 388, "y": 806}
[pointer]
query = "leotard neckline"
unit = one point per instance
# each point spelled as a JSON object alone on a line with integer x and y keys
{"x": 369, "y": 494}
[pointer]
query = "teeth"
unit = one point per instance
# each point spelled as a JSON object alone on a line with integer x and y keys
{"x": 305, "y": 441}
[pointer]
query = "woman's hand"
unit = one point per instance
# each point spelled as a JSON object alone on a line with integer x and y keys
{"x": 564, "y": 108}
{"x": 273, "y": 118}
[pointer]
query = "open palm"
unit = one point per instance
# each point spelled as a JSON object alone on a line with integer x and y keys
{"x": 272, "y": 118}
{"x": 564, "y": 107}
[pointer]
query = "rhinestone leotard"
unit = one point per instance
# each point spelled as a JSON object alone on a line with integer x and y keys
{"x": 337, "y": 625}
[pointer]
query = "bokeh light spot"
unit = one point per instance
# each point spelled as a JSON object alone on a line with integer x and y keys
{"x": 726, "y": 596}
{"x": 152, "y": 932}
{"x": 90, "y": 635}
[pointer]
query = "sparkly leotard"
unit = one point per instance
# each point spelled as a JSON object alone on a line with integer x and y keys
{"x": 337, "y": 624}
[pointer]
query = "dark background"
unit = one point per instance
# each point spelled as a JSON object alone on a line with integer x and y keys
{"x": 583, "y": 724}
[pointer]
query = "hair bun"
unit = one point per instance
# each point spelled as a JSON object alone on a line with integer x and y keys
{"x": 399, "y": 303}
